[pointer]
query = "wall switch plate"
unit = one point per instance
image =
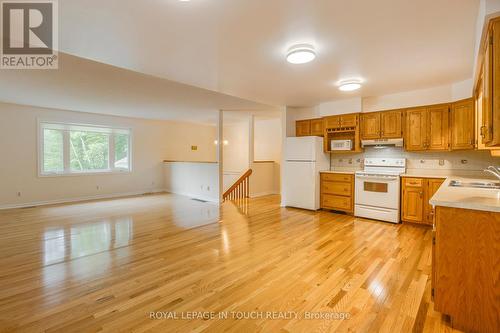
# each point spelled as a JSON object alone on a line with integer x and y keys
{"x": 441, "y": 162}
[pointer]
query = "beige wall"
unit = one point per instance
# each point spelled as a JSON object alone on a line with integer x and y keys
{"x": 153, "y": 141}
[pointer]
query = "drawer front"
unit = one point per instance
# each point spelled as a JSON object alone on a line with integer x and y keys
{"x": 413, "y": 182}
{"x": 336, "y": 177}
{"x": 336, "y": 202}
{"x": 338, "y": 188}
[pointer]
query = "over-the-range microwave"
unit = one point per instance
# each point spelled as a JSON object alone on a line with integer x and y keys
{"x": 341, "y": 145}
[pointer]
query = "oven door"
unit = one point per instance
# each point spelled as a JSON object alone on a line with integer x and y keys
{"x": 377, "y": 191}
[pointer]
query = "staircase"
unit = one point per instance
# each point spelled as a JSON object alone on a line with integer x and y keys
{"x": 240, "y": 189}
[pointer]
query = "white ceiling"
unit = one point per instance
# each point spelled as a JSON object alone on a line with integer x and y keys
{"x": 88, "y": 86}
{"x": 237, "y": 47}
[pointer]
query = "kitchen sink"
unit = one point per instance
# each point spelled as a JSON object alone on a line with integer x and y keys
{"x": 485, "y": 184}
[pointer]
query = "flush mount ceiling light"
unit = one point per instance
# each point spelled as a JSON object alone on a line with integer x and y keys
{"x": 349, "y": 85}
{"x": 301, "y": 54}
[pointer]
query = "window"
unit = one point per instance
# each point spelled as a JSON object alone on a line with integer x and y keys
{"x": 79, "y": 149}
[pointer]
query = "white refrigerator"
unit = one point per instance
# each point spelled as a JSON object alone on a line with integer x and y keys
{"x": 304, "y": 159}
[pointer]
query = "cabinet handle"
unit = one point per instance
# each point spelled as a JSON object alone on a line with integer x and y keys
{"x": 483, "y": 130}
{"x": 421, "y": 193}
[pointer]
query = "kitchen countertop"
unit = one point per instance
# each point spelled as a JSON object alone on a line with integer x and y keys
{"x": 433, "y": 173}
{"x": 467, "y": 197}
{"x": 348, "y": 172}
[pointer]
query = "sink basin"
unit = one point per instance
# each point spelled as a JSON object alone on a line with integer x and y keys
{"x": 485, "y": 184}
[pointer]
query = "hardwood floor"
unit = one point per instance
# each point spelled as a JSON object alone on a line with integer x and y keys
{"x": 107, "y": 265}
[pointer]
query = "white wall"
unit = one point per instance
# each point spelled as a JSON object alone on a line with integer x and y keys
{"x": 343, "y": 106}
{"x": 153, "y": 141}
{"x": 192, "y": 179}
{"x": 236, "y": 151}
{"x": 434, "y": 95}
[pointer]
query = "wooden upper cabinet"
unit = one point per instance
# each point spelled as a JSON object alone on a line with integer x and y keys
{"x": 370, "y": 126}
{"x": 349, "y": 120}
{"x": 416, "y": 129}
{"x": 317, "y": 127}
{"x": 490, "y": 129}
{"x": 303, "y": 128}
{"x": 462, "y": 125}
{"x": 438, "y": 127}
{"x": 391, "y": 123}
{"x": 332, "y": 122}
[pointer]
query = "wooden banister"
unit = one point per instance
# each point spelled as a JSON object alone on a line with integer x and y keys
{"x": 240, "y": 189}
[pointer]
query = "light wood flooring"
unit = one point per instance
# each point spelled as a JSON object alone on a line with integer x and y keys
{"x": 105, "y": 266}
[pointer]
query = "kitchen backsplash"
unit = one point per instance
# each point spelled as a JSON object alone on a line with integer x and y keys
{"x": 458, "y": 160}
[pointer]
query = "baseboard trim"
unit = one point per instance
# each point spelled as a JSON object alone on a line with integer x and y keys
{"x": 80, "y": 199}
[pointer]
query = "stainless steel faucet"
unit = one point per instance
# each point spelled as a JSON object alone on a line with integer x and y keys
{"x": 493, "y": 170}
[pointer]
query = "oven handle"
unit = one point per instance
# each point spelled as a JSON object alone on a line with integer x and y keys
{"x": 388, "y": 179}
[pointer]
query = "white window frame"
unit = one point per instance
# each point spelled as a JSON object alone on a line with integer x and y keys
{"x": 66, "y": 150}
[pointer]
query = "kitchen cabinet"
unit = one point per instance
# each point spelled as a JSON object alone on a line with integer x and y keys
{"x": 427, "y": 128}
{"x": 416, "y": 193}
{"x": 309, "y": 127}
{"x": 465, "y": 268}
{"x": 391, "y": 124}
{"x": 342, "y": 121}
{"x": 370, "y": 126}
{"x": 490, "y": 126}
{"x": 381, "y": 125}
{"x": 438, "y": 127}
{"x": 416, "y": 129}
{"x": 342, "y": 127}
{"x": 317, "y": 127}
{"x": 413, "y": 200}
{"x": 337, "y": 192}
{"x": 303, "y": 127}
{"x": 462, "y": 119}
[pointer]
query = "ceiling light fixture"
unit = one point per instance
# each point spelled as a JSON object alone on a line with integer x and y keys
{"x": 349, "y": 85}
{"x": 301, "y": 54}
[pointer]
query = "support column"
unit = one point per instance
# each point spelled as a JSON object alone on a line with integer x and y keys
{"x": 220, "y": 151}
{"x": 283, "y": 157}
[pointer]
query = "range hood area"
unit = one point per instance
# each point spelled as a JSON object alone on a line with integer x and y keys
{"x": 382, "y": 143}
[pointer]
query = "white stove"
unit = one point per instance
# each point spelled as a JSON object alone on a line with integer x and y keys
{"x": 377, "y": 189}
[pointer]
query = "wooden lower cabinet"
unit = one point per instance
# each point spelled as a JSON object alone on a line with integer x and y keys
{"x": 337, "y": 192}
{"x": 465, "y": 268}
{"x": 416, "y": 193}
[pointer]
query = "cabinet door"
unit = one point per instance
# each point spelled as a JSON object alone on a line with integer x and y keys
{"x": 495, "y": 59}
{"x": 392, "y": 124}
{"x": 486, "y": 129}
{"x": 462, "y": 125}
{"x": 332, "y": 122}
{"x": 349, "y": 120}
{"x": 438, "y": 127}
{"x": 416, "y": 129}
{"x": 303, "y": 128}
{"x": 370, "y": 126}
{"x": 431, "y": 187}
{"x": 413, "y": 200}
{"x": 317, "y": 127}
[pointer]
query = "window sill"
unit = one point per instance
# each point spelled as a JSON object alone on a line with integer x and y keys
{"x": 80, "y": 174}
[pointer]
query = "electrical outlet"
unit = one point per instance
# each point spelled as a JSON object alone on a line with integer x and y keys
{"x": 98, "y": 187}
{"x": 208, "y": 188}
{"x": 18, "y": 194}
{"x": 441, "y": 162}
